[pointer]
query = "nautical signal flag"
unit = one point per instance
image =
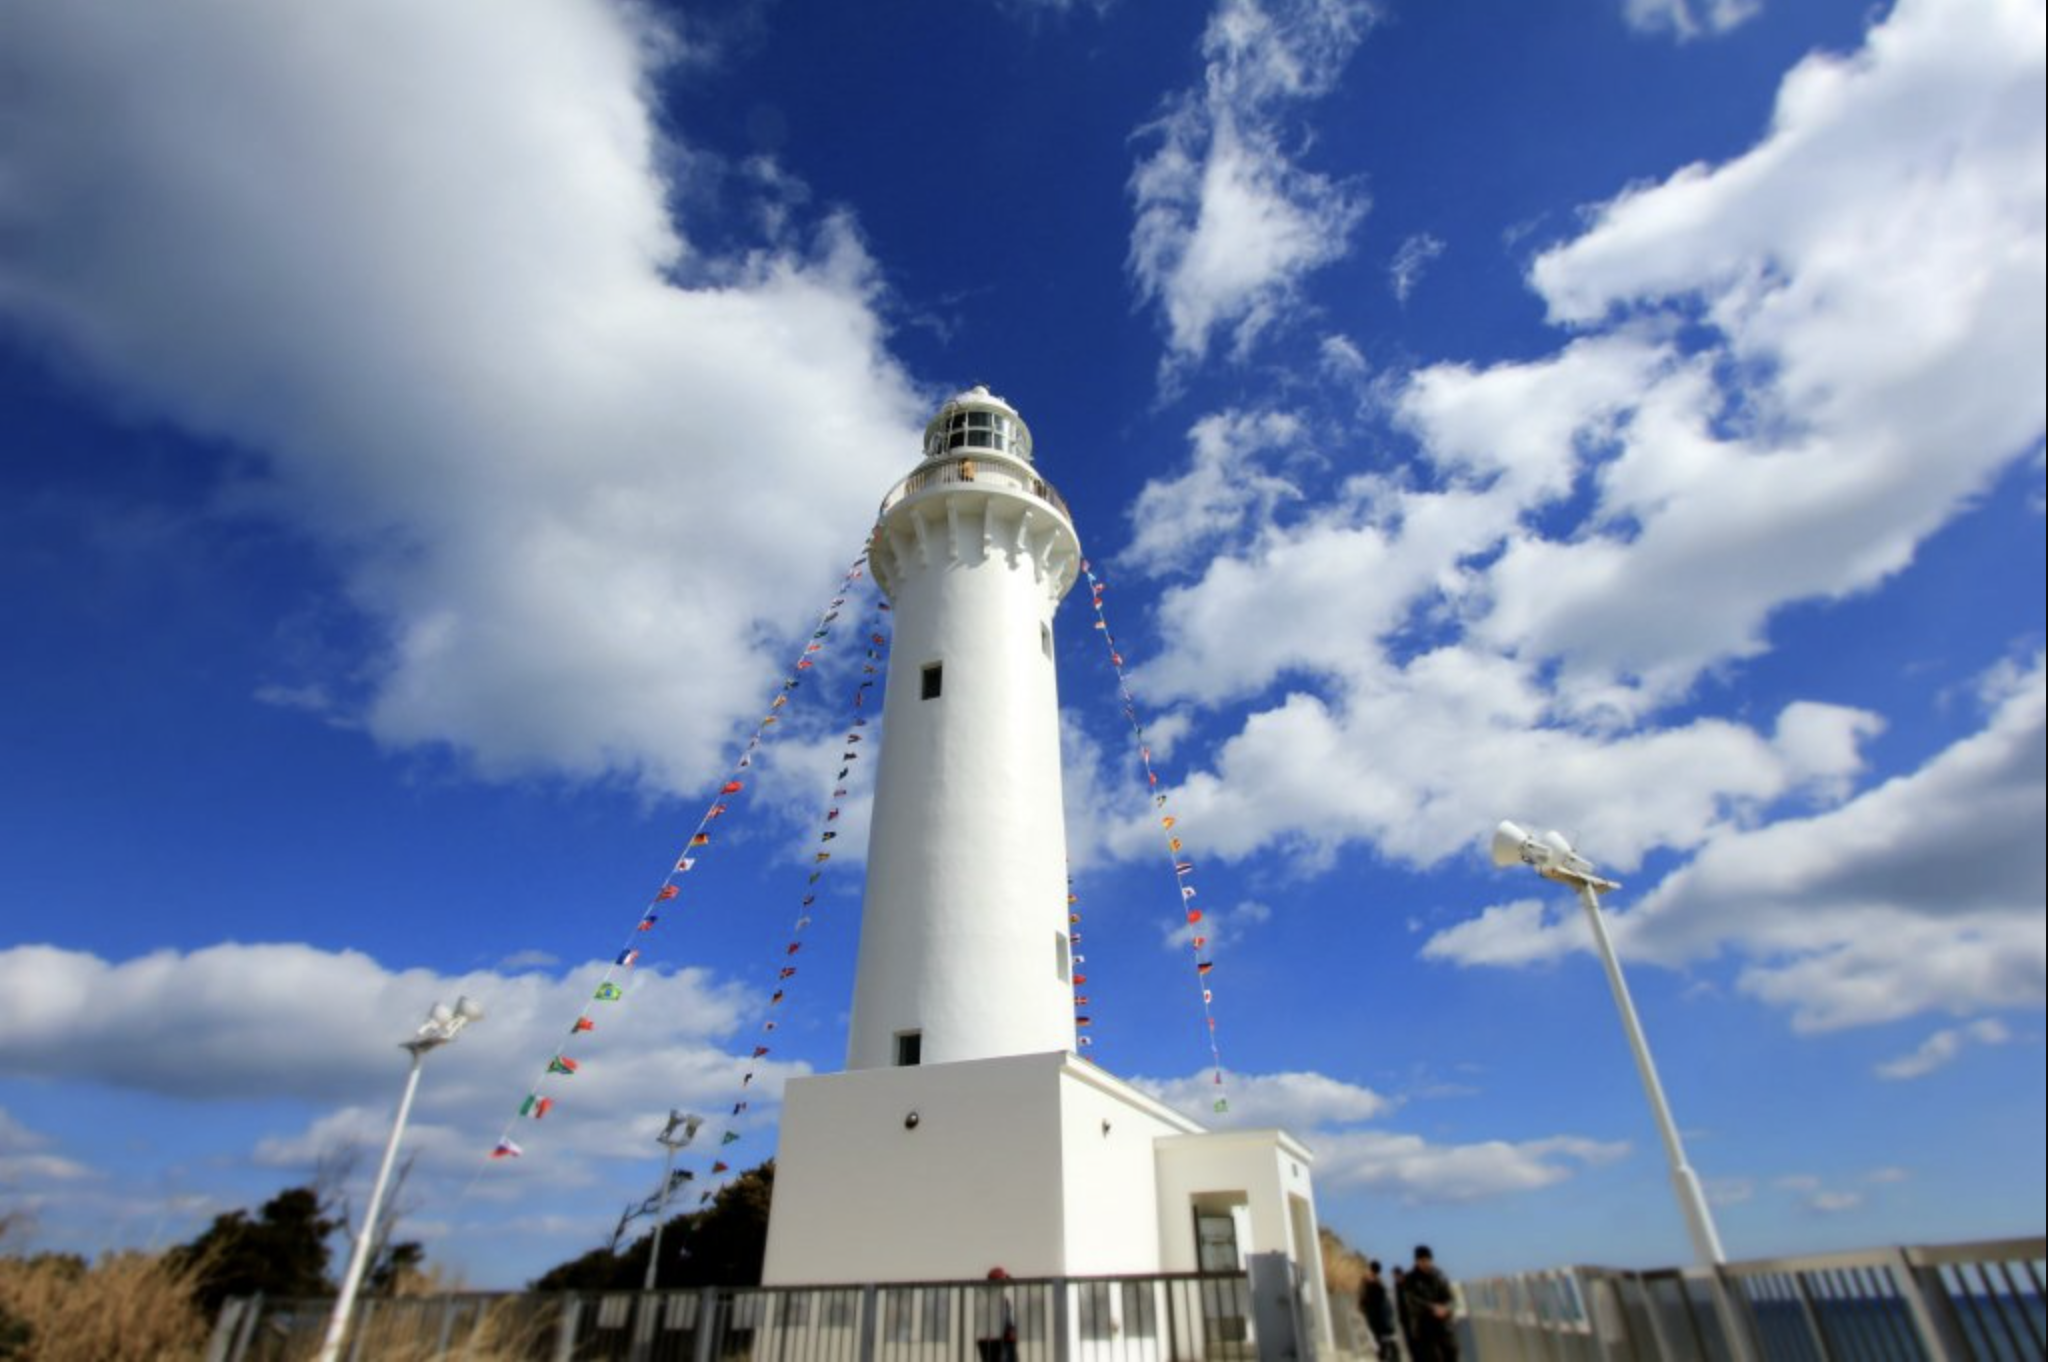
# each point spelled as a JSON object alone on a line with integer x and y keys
{"x": 684, "y": 865}
{"x": 1167, "y": 822}
{"x": 1204, "y": 966}
{"x": 785, "y": 971}
{"x": 608, "y": 992}
{"x": 543, "y": 1107}
{"x": 731, "y": 787}
{"x": 759, "y": 1050}
{"x": 627, "y": 957}
{"x": 584, "y": 1024}
{"x": 702, "y": 839}
{"x": 647, "y": 923}
{"x": 561, "y": 1064}
{"x": 668, "y": 891}
{"x": 1194, "y": 915}
{"x": 506, "y": 1150}
{"x": 721, "y": 1167}
{"x": 730, "y": 1137}
{"x": 1183, "y": 867}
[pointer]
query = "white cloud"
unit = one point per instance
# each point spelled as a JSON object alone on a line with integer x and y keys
{"x": 1189, "y": 518}
{"x": 299, "y": 1046}
{"x": 418, "y": 265}
{"x": 1326, "y": 1113}
{"x": 261, "y": 1022}
{"x": 1688, "y": 19}
{"x": 26, "y": 1163}
{"x": 1289, "y": 1101}
{"x": 1227, "y": 223}
{"x": 1921, "y": 894}
{"x": 1942, "y": 1047}
{"x": 1788, "y": 461}
{"x": 1410, "y": 261}
{"x": 1420, "y": 1172}
{"x": 1737, "y": 423}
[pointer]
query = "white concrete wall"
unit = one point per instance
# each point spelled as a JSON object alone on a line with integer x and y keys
{"x": 966, "y": 900}
{"x": 1109, "y": 1172}
{"x": 860, "y": 1198}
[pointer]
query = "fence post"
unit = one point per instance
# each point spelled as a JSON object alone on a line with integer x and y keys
{"x": 565, "y": 1328}
{"x": 231, "y": 1311}
{"x": 870, "y": 1320}
{"x": 1061, "y": 1348}
{"x": 707, "y": 1323}
{"x": 1939, "y": 1330}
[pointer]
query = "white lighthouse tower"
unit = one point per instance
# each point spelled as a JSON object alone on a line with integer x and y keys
{"x": 963, "y": 951}
{"x": 966, "y": 1133}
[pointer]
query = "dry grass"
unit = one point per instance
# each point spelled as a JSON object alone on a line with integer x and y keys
{"x": 127, "y": 1307}
{"x": 1343, "y": 1267}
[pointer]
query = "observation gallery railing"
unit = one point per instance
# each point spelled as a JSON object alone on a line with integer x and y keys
{"x": 981, "y": 472}
{"x": 1977, "y": 1302}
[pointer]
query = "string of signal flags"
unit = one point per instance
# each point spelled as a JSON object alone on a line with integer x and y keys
{"x": 668, "y": 895}
{"x": 667, "y": 898}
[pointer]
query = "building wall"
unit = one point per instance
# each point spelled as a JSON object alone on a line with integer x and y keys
{"x": 964, "y": 922}
{"x": 1110, "y": 1176}
{"x": 860, "y": 1198}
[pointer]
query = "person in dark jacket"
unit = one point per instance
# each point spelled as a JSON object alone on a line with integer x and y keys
{"x": 1430, "y": 1306}
{"x": 1378, "y": 1308}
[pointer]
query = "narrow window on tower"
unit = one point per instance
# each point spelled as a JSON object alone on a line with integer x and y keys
{"x": 1062, "y": 957}
{"x": 934, "y": 677}
{"x": 1045, "y": 640}
{"x": 909, "y": 1048}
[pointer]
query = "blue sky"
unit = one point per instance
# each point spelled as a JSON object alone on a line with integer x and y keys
{"x": 431, "y": 433}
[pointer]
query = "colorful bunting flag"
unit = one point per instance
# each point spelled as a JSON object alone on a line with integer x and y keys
{"x": 562, "y": 1064}
{"x": 506, "y": 1150}
{"x": 608, "y": 992}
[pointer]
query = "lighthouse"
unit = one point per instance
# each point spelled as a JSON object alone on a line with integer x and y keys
{"x": 964, "y": 951}
{"x": 966, "y": 1132}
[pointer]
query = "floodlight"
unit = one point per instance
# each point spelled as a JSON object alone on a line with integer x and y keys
{"x": 1511, "y": 842}
{"x": 440, "y": 1014}
{"x": 469, "y": 1009}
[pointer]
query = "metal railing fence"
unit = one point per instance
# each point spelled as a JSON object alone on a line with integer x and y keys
{"x": 1977, "y": 1302}
{"x": 1174, "y": 1317}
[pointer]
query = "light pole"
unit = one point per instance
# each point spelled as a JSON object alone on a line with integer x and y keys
{"x": 671, "y": 1141}
{"x": 1552, "y": 857}
{"x": 442, "y": 1025}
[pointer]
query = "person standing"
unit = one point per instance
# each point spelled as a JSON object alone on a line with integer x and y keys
{"x": 1430, "y": 1307}
{"x": 996, "y": 1325}
{"x": 1378, "y": 1308}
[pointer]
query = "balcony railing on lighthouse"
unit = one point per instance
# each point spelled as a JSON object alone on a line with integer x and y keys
{"x": 981, "y": 472}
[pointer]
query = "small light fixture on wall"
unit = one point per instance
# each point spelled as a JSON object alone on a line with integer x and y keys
{"x": 910, "y": 1121}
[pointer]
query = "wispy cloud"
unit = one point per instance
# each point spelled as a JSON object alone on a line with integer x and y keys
{"x": 1228, "y": 223}
{"x": 1688, "y": 19}
{"x": 1941, "y": 1049}
{"x": 1415, "y": 255}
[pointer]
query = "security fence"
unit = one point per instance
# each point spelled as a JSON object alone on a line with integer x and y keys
{"x": 1175, "y": 1317}
{"x": 1978, "y": 1302}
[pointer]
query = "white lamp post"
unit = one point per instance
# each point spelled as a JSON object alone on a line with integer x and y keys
{"x": 1552, "y": 857}
{"x": 680, "y": 1130}
{"x": 442, "y": 1025}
